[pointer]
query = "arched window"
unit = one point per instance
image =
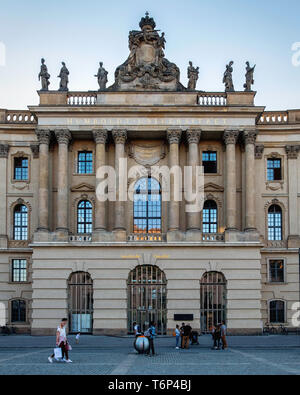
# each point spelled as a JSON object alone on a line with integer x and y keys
{"x": 277, "y": 311}
{"x": 147, "y": 206}
{"x": 84, "y": 217}
{"x": 18, "y": 310}
{"x": 20, "y": 222}
{"x": 210, "y": 217}
{"x": 275, "y": 223}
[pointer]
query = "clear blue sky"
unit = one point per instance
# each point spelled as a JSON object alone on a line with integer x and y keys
{"x": 210, "y": 33}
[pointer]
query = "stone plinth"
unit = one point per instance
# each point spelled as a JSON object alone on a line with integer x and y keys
{"x": 53, "y": 98}
{"x": 240, "y": 98}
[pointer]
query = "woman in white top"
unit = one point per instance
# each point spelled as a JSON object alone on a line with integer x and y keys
{"x": 62, "y": 342}
{"x": 177, "y": 334}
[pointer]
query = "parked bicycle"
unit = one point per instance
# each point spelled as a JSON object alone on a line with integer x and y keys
{"x": 6, "y": 330}
{"x": 271, "y": 330}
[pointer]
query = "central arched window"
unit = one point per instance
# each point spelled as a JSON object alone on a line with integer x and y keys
{"x": 210, "y": 217}
{"x": 20, "y": 222}
{"x": 275, "y": 223}
{"x": 147, "y": 206}
{"x": 84, "y": 217}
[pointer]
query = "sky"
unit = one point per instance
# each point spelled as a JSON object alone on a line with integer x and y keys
{"x": 208, "y": 32}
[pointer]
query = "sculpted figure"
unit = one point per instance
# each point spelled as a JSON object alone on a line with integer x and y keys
{"x": 64, "y": 78}
{"x": 193, "y": 76}
{"x": 44, "y": 76}
{"x": 102, "y": 77}
{"x": 227, "y": 79}
{"x": 249, "y": 77}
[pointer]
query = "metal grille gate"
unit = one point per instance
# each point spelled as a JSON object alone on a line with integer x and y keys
{"x": 80, "y": 303}
{"x": 147, "y": 298}
{"x": 212, "y": 300}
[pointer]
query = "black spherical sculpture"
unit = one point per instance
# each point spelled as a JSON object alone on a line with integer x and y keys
{"x": 141, "y": 344}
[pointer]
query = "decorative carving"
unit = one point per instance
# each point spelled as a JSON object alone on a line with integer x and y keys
{"x": 193, "y": 136}
{"x": 147, "y": 155}
{"x": 44, "y": 76}
{"x": 249, "y": 77}
{"x": 174, "y": 136}
{"x": 146, "y": 67}
{"x": 102, "y": 77}
{"x": 231, "y": 136}
{"x": 63, "y": 136}
{"x": 292, "y": 151}
{"x": 35, "y": 149}
{"x": 227, "y": 79}
{"x": 119, "y": 136}
{"x": 259, "y": 150}
{"x": 4, "y": 149}
{"x": 43, "y": 136}
{"x": 83, "y": 187}
{"x": 211, "y": 187}
{"x": 193, "y": 76}
{"x": 100, "y": 136}
{"x": 64, "y": 78}
{"x": 250, "y": 136}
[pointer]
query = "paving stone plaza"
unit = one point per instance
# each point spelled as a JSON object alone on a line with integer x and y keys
{"x": 103, "y": 355}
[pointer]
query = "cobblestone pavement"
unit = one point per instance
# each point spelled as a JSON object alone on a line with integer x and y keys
{"x": 276, "y": 355}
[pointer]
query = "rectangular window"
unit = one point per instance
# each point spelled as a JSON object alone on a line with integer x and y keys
{"x": 19, "y": 270}
{"x": 85, "y": 162}
{"x": 209, "y": 162}
{"x": 20, "y": 169}
{"x": 18, "y": 311}
{"x": 276, "y": 271}
{"x": 274, "y": 170}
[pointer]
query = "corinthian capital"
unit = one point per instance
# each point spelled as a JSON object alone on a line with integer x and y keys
{"x": 100, "y": 136}
{"x": 43, "y": 136}
{"x": 193, "y": 136}
{"x": 250, "y": 136}
{"x": 4, "y": 148}
{"x": 292, "y": 151}
{"x": 174, "y": 136}
{"x": 63, "y": 136}
{"x": 231, "y": 136}
{"x": 119, "y": 136}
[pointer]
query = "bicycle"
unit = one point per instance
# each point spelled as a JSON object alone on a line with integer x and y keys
{"x": 283, "y": 330}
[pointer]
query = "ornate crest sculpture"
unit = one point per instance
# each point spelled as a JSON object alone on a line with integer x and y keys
{"x": 146, "y": 67}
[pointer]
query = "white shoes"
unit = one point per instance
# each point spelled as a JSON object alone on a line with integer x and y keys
{"x": 67, "y": 360}
{"x": 50, "y": 359}
{"x": 177, "y": 348}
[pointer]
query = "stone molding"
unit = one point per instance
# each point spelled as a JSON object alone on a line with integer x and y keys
{"x": 292, "y": 151}
{"x": 63, "y": 136}
{"x": 259, "y": 150}
{"x": 43, "y": 136}
{"x": 174, "y": 136}
{"x": 193, "y": 136}
{"x": 250, "y": 136}
{"x": 231, "y": 136}
{"x": 119, "y": 136}
{"x": 35, "y": 149}
{"x": 4, "y": 149}
{"x": 100, "y": 136}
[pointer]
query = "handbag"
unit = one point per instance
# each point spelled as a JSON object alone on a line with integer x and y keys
{"x": 69, "y": 347}
{"x": 57, "y": 353}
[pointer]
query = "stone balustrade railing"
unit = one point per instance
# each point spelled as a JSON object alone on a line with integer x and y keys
{"x": 17, "y": 117}
{"x": 274, "y": 118}
{"x": 208, "y": 237}
{"x": 277, "y": 244}
{"x": 154, "y": 237}
{"x": 80, "y": 238}
{"x": 82, "y": 98}
{"x": 212, "y": 99}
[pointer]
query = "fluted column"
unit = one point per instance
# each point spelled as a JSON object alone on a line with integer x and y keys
{"x": 230, "y": 139}
{"x": 174, "y": 136}
{"x": 119, "y": 136}
{"x": 100, "y": 137}
{"x": 250, "y": 138}
{"x": 63, "y": 137}
{"x": 193, "y": 138}
{"x": 43, "y": 136}
{"x": 4, "y": 150}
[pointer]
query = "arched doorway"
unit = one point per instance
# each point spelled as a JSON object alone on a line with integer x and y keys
{"x": 80, "y": 292}
{"x": 213, "y": 296}
{"x": 147, "y": 298}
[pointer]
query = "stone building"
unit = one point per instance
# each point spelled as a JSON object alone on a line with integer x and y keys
{"x": 64, "y": 252}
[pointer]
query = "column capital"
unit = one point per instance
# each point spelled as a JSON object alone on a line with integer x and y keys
{"x": 100, "y": 136}
{"x": 193, "y": 136}
{"x": 43, "y": 136}
{"x": 250, "y": 136}
{"x": 4, "y": 149}
{"x": 119, "y": 136}
{"x": 174, "y": 136}
{"x": 63, "y": 136}
{"x": 292, "y": 151}
{"x": 231, "y": 136}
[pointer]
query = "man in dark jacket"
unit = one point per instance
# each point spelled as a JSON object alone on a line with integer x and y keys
{"x": 186, "y": 336}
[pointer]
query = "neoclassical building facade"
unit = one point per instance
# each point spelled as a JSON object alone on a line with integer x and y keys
{"x": 105, "y": 264}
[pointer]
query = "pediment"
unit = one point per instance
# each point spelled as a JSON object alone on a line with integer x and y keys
{"x": 83, "y": 187}
{"x": 211, "y": 187}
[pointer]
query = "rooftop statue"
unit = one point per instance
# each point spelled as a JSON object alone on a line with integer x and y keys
{"x": 102, "y": 77}
{"x": 64, "y": 78}
{"x": 227, "y": 79}
{"x": 193, "y": 76}
{"x": 249, "y": 77}
{"x": 146, "y": 67}
{"x": 44, "y": 76}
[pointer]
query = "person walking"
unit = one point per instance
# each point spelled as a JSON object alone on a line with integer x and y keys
{"x": 62, "y": 342}
{"x": 177, "y": 334}
{"x": 186, "y": 336}
{"x": 150, "y": 334}
{"x": 216, "y": 334}
{"x": 223, "y": 335}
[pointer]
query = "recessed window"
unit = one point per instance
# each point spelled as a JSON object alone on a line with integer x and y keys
{"x": 210, "y": 217}
{"x": 276, "y": 271}
{"x": 209, "y": 162}
{"x": 18, "y": 311}
{"x": 274, "y": 172}
{"x": 85, "y": 162}
{"x": 21, "y": 222}
{"x": 85, "y": 217}
{"x": 20, "y": 169}
{"x": 19, "y": 270}
{"x": 277, "y": 312}
{"x": 275, "y": 223}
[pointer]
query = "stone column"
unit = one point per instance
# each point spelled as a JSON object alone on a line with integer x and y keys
{"x": 174, "y": 136}
{"x": 230, "y": 139}
{"x": 4, "y": 149}
{"x": 63, "y": 137}
{"x": 193, "y": 138}
{"x": 250, "y": 138}
{"x": 119, "y": 136}
{"x": 292, "y": 154}
{"x": 100, "y": 137}
{"x": 43, "y": 136}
